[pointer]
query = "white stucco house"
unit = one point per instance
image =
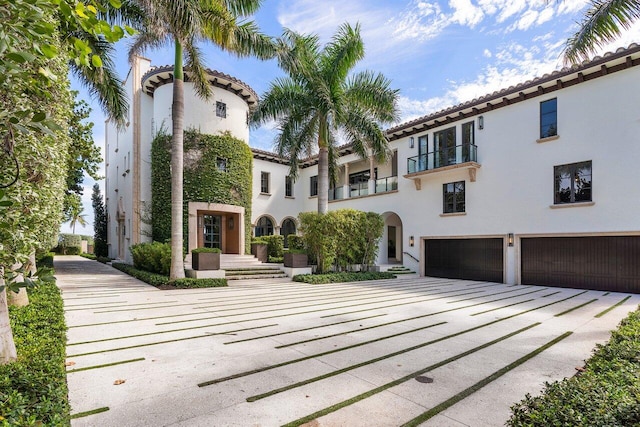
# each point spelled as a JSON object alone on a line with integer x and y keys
{"x": 533, "y": 184}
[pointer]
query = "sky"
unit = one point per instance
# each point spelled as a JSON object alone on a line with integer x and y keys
{"x": 437, "y": 53}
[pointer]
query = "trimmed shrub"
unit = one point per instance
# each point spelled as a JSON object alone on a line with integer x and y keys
{"x": 189, "y": 283}
{"x": 69, "y": 244}
{"x": 275, "y": 245}
{"x": 606, "y": 393}
{"x": 33, "y": 389}
{"x": 206, "y": 251}
{"x": 45, "y": 260}
{"x": 153, "y": 257}
{"x": 159, "y": 280}
{"x": 295, "y": 242}
{"x": 316, "y": 279}
{"x": 153, "y": 279}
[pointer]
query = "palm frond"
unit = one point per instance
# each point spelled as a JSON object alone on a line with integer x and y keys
{"x": 196, "y": 70}
{"x": 603, "y": 22}
{"x": 342, "y": 53}
{"x": 103, "y": 82}
{"x": 372, "y": 93}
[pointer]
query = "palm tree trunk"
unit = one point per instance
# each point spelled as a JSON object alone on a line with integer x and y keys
{"x": 323, "y": 169}
{"x": 7, "y": 346}
{"x": 177, "y": 141}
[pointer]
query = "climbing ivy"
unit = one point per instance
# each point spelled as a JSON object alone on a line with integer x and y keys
{"x": 203, "y": 181}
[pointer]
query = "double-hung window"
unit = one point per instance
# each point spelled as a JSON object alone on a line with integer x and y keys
{"x": 264, "y": 182}
{"x": 453, "y": 197}
{"x": 572, "y": 183}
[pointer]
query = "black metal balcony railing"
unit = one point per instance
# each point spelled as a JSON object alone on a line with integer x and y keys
{"x": 384, "y": 185}
{"x": 441, "y": 158}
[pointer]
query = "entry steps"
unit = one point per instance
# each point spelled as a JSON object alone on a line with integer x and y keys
{"x": 400, "y": 269}
{"x": 243, "y": 267}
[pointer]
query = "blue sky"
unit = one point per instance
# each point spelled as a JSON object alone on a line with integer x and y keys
{"x": 437, "y": 53}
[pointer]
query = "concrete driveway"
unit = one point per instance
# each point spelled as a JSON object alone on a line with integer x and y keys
{"x": 408, "y": 351}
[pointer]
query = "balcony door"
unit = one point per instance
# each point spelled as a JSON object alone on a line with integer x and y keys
{"x": 444, "y": 146}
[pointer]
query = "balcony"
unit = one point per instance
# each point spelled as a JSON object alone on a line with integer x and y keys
{"x": 336, "y": 193}
{"x": 384, "y": 185}
{"x": 461, "y": 156}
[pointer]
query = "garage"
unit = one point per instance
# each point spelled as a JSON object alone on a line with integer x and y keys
{"x": 608, "y": 263}
{"x": 471, "y": 259}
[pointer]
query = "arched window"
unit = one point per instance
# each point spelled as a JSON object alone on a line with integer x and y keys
{"x": 264, "y": 227}
{"x": 288, "y": 227}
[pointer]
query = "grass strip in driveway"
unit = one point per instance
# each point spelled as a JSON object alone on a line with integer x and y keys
{"x": 303, "y": 329}
{"x": 399, "y": 381}
{"x": 289, "y": 362}
{"x": 619, "y": 303}
{"x": 377, "y": 359}
{"x": 211, "y": 326}
{"x": 168, "y": 341}
{"x": 575, "y": 308}
{"x": 91, "y": 412}
{"x": 477, "y": 386}
{"x": 106, "y": 365}
{"x": 301, "y": 359}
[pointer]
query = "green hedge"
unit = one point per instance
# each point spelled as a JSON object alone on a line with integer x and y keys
{"x": 33, "y": 390}
{"x": 153, "y": 257}
{"x": 158, "y": 280}
{"x": 188, "y": 283}
{"x": 154, "y": 279}
{"x": 605, "y": 394}
{"x": 316, "y": 279}
{"x": 203, "y": 181}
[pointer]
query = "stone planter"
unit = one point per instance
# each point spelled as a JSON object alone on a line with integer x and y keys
{"x": 259, "y": 250}
{"x": 296, "y": 260}
{"x": 205, "y": 261}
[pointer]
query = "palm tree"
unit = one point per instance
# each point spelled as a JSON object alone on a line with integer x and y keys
{"x": 184, "y": 23}
{"x": 318, "y": 100}
{"x": 603, "y": 22}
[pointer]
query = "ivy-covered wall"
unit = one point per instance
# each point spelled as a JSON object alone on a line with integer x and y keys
{"x": 203, "y": 182}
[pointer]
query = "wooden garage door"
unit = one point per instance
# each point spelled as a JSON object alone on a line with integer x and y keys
{"x": 604, "y": 263}
{"x": 472, "y": 259}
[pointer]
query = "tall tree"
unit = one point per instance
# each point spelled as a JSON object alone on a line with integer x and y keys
{"x": 99, "y": 223}
{"x": 74, "y": 215}
{"x": 183, "y": 24}
{"x": 319, "y": 99}
{"x": 603, "y": 22}
{"x": 35, "y": 105}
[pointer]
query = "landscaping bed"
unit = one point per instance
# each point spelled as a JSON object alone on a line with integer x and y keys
{"x": 606, "y": 393}
{"x": 161, "y": 281}
{"x": 317, "y": 279}
{"x": 33, "y": 390}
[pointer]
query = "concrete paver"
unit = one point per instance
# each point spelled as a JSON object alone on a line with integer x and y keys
{"x": 363, "y": 336}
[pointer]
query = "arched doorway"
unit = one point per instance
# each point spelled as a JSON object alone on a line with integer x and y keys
{"x": 391, "y": 244}
{"x": 288, "y": 227}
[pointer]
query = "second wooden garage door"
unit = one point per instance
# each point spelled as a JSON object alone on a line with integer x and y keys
{"x": 471, "y": 259}
{"x": 609, "y": 263}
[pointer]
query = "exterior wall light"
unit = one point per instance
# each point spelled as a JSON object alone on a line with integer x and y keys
{"x": 411, "y": 241}
{"x": 481, "y": 122}
{"x": 411, "y": 142}
{"x": 510, "y": 239}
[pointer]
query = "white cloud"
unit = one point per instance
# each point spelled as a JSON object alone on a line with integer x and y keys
{"x": 514, "y": 64}
{"x": 465, "y": 13}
